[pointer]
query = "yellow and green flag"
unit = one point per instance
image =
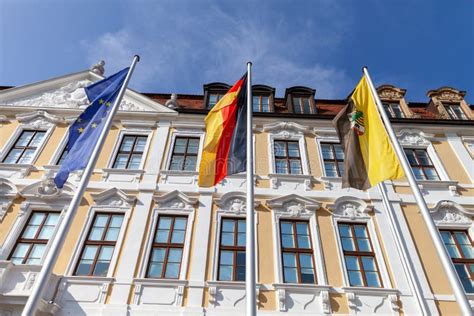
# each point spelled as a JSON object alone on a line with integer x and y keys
{"x": 369, "y": 155}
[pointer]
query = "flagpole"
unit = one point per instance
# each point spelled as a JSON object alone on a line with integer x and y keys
{"x": 50, "y": 260}
{"x": 433, "y": 231}
{"x": 250, "y": 282}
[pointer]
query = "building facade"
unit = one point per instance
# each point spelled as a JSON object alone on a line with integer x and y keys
{"x": 147, "y": 240}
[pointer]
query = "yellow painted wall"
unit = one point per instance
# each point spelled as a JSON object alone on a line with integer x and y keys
{"x": 51, "y": 146}
{"x": 9, "y": 218}
{"x": 451, "y": 163}
{"x": 262, "y": 158}
{"x": 339, "y": 303}
{"x": 313, "y": 157}
{"x": 72, "y": 238}
{"x": 429, "y": 258}
{"x": 6, "y": 131}
{"x": 266, "y": 264}
{"x": 448, "y": 308}
{"x": 267, "y": 301}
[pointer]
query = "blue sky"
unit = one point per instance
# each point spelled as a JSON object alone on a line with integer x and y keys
{"x": 416, "y": 45}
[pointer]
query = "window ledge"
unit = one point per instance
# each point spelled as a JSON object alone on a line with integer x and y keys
{"x": 291, "y": 181}
{"x": 83, "y": 279}
{"x": 17, "y": 170}
{"x": 179, "y": 172}
{"x": 424, "y": 185}
{"x": 160, "y": 282}
{"x": 373, "y": 291}
{"x": 331, "y": 183}
{"x": 302, "y": 287}
{"x": 122, "y": 175}
{"x": 228, "y": 284}
{"x": 179, "y": 177}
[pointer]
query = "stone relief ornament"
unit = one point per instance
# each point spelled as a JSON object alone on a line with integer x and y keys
{"x": 113, "y": 197}
{"x": 175, "y": 200}
{"x": 414, "y": 137}
{"x": 447, "y": 94}
{"x": 293, "y": 206}
{"x": 172, "y": 103}
{"x": 389, "y": 92}
{"x": 448, "y": 212}
{"x": 233, "y": 202}
{"x": 349, "y": 207}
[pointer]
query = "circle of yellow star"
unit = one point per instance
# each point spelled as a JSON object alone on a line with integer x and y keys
{"x": 108, "y": 104}
{"x": 80, "y": 129}
{"x": 101, "y": 101}
{"x": 94, "y": 125}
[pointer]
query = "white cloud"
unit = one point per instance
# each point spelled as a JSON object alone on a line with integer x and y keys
{"x": 185, "y": 46}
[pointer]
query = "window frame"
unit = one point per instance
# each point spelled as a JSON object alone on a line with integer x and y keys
{"x": 185, "y": 155}
{"x": 260, "y": 96}
{"x": 388, "y": 107}
{"x": 448, "y": 107}
{"x": 300, "y": 96}
{"x": 360, "y": 254}
{"x": 233, "y": 248}
{"x": 287, "y": 157}
{"x": 303, "y": 153}
{"x": 298, "y": 250}
{"x": 185, "y": 212}
{"x": 421, "y": 166}
{"x": 118, "y": 142}
{"x": 76, "y": 256}
{"x": 21, "y": 221}
{"x": 339, "y": 215}
{"x": 100, "y": 243}
{"x": 331, "y": 142}
{"x": 15, "y": 137}
{"x": 184, "y": 133}
{"x": 35, "y": 241}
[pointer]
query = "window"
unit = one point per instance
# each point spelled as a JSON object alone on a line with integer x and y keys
{"x": 421, "y": 164}
{"x": 232, "y": 250}
{"x": 287, "y": 157}
{"x": 301, "y": 105}
{"x": 185, "y": 152}
{"x": 459, "y": 246}
{"x": 129, "y": 155}
{"x": 359, "y": 255}
{"x": 25, "y": 147}
{"x": 63, "y": 156}
{"x": 296, "y": 252}
{"x": 213, "y": 99}
{"x": 30, "y": 247}
{"x": 261, "y": 103}
{"x": 455, "y": 112}
{"x": 100, "y": 244}
{"x": 333, "y": 157}
{"x": 393, "y": 110}
{"x": 167, "y": 247}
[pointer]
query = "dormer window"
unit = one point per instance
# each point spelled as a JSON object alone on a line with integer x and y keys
{"x": 455, "y": 112}
{"x": 300, "y": 100}
{"x": 393, "y": 110}
{"x": 213, "y": 92}
{"x": 262, "y": 98}
{"x": 213, "y": 99}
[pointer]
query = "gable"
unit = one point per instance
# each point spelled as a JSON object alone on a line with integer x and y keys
{"x": 68, "y": 92}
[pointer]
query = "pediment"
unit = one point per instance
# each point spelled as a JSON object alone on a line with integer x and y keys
{"x": 451, "y": 213}
{"x": 414, "y": 137}
{"x": 68, "y": 92}
{"x": 8, "y": 193}
{"x": 293, "y": 205}
{"x": 234, "y": 202}
{"x": 287, "y": 129}
{"x": 389, "y": 92}
{"x": 113, "y": 197}
{"x": 47, "y": 190}
{"x": 349, "y": 207}
{"x": 175, "y": 200}
{"x": 447, "y": 94}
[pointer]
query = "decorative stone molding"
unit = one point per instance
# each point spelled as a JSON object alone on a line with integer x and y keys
{"x": 281, "y": 300}
{"x": 47, "y": 190}
{"x": 350, "y": 207}
{"x": 358, "y": 299}
{"x": 393, "y": 299}
{"x": 293, "y": 206}
{"x": 290, "y": 181}
{"x": 4, "y": 120}
{"x": 390, "y": 92}
{"x": 451, "y": 213}
{"x": 39, "y": 119}
{"x": 213, "y": 295}
{"x": 413, "y": 137}
{"x": 113, "y": 197}
{"x": 326, "y": 302}
{"x": 447, "y": 94}
{"x": 8, "y": 192}
{"x": 179, "y": 295}
{"x": 287, "y": 129}
{"x": 175, "y": 200}
{"x": 233, "y": 203}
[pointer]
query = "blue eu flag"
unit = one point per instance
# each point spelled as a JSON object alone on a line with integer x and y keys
{"x": 84, "y": 132}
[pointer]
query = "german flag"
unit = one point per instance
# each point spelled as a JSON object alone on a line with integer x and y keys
{"x": 369, "y": 155}
{"x": 224, "y": 151}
